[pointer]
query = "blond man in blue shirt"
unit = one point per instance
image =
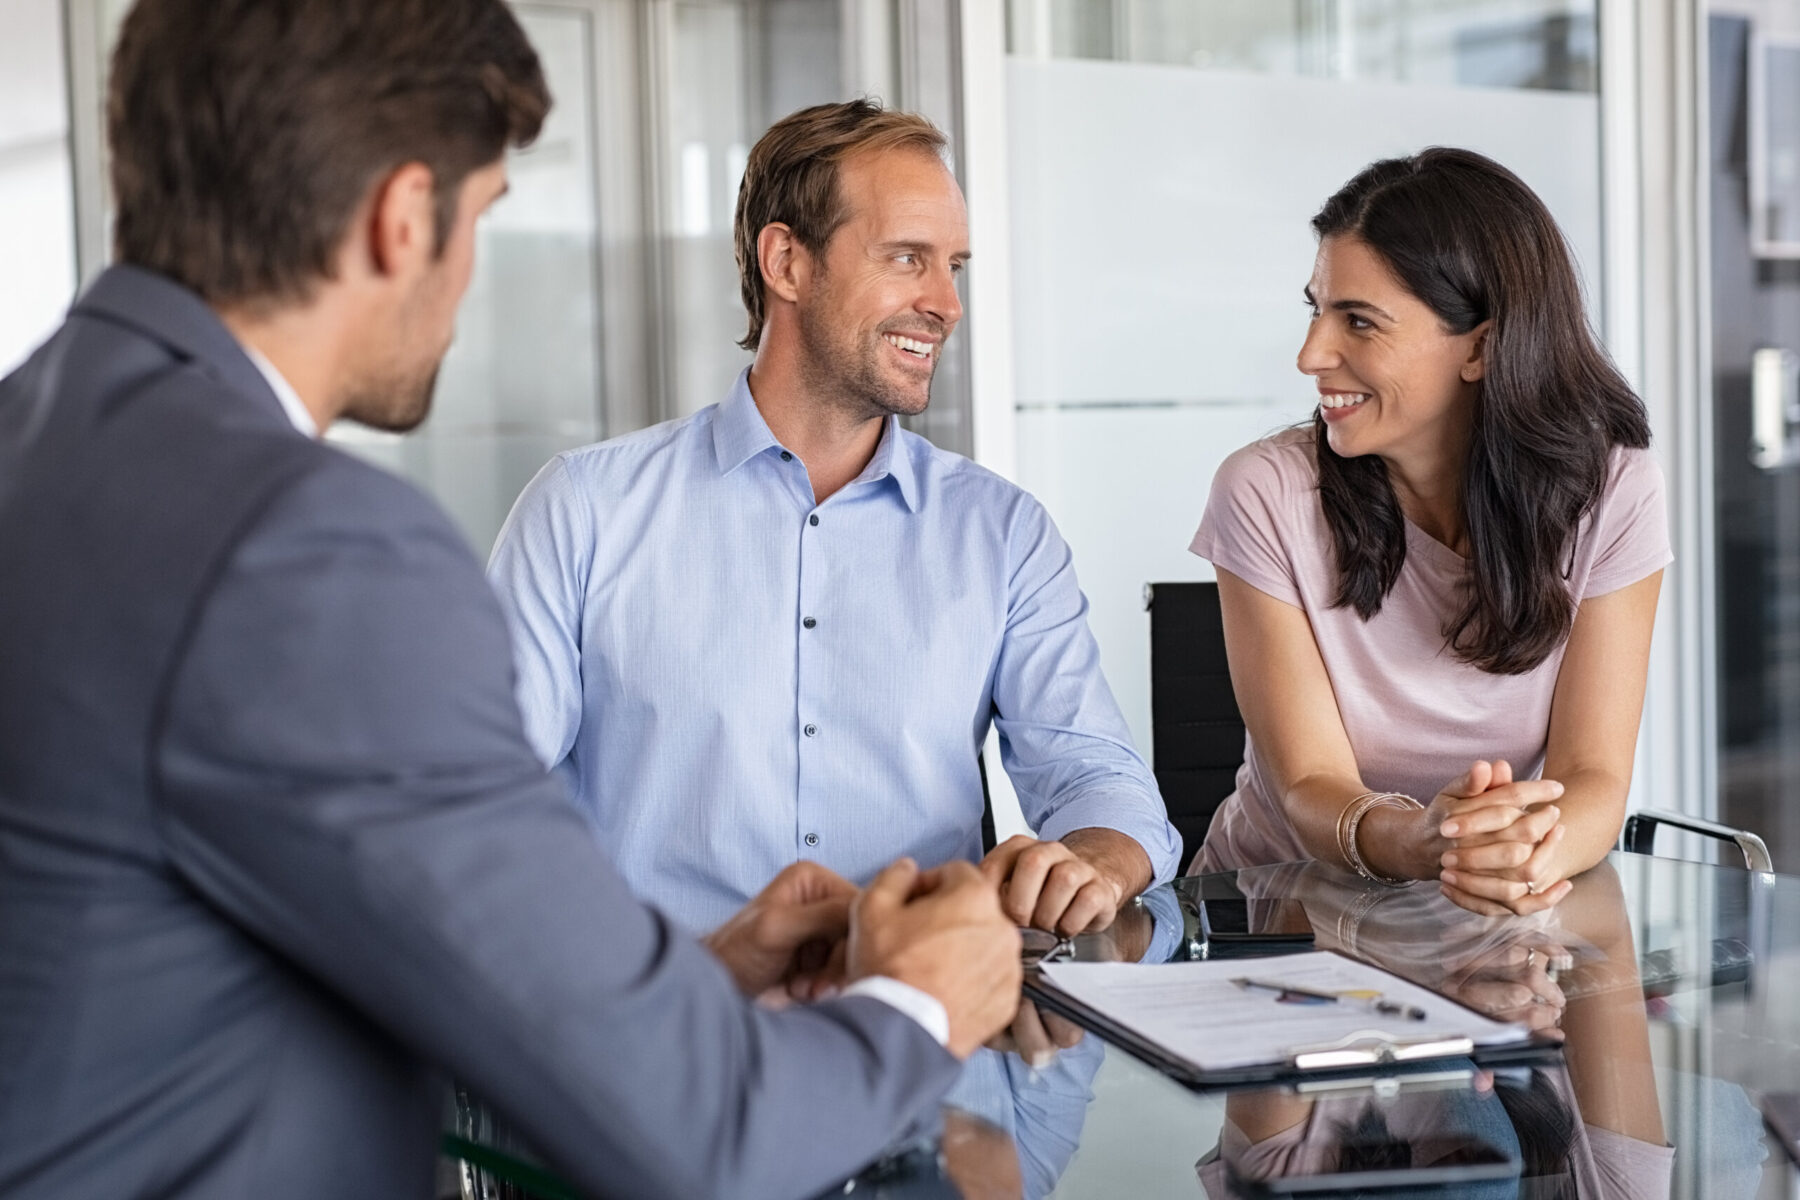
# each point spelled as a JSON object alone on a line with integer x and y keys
{"x": 780, "y": 628}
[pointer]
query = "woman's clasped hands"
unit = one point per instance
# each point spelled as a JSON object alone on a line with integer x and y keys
{"x": 1501, "y": 835}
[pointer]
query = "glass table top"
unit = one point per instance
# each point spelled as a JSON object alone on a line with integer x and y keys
{"x": 1670, "y": 988}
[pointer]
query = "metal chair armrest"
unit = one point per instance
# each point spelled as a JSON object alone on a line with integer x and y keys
{"x": 1639, "y": 836}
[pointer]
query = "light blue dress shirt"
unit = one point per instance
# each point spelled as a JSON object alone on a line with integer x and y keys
{"x": 733, "y": 677}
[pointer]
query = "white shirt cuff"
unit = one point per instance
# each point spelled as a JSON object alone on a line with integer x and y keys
{"x": 922, "y": 1007}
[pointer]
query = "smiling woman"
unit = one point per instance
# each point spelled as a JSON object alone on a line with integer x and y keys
{"x": 1452, "y": 575}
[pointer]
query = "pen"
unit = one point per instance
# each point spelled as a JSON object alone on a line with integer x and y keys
{"x": 1375, "y": 1000}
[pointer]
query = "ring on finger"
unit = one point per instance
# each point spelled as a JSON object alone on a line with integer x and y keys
{"x": 1533, "y": 887}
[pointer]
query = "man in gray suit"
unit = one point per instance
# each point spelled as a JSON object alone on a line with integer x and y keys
{"x": 274, "y": 851}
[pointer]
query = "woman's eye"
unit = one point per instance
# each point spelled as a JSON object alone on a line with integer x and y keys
{"x": 1356, "y": 322}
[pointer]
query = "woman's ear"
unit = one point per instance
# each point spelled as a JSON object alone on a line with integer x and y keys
{"x": 1475, "y": 366}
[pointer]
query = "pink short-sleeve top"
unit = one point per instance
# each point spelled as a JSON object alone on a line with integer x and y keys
{"x": 1415, "y": 714}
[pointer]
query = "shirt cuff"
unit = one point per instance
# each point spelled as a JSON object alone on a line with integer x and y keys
{"x": 1140, "y": 817}
{"x": 922, "y": 1007}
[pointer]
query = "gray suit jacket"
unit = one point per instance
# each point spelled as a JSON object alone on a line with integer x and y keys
{"x": 274, "y": 851}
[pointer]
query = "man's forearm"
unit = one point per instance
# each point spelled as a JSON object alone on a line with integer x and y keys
{"x": 1115, "y": 855}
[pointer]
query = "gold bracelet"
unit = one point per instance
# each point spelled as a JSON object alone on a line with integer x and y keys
{"x": 1343, "y": 846}
{"x": 1349, "y": 922}
{"x": 1352, "y": 818}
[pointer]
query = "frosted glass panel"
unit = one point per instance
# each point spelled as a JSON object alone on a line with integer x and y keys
{"x": 1549, "y": 44}
{"x": 1160, "y": 233}
{"x": 1160, "y": 244}
{"x": 1126, "y": 484}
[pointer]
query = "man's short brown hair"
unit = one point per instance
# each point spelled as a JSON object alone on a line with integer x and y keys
{"x": 792, "y": 178}
{"x": 245, "y": 133}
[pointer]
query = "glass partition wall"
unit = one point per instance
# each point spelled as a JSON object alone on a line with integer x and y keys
{"x": 1547, "y": 44}
{"x": 605, "y": 296}
{"x": 1754, "y": 172}
{"x": 1166, "y": 157}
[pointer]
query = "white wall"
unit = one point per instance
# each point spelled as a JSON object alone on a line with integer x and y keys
{"x": 1771, "y": 16}
{"x": 1160, "y": 242}
{"x": 37, "y": 215}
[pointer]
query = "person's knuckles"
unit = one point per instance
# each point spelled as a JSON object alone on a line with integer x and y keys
{"x": 767, "y": 924}
{"x": 958, "y": 874}
{"x": 1080, "y": 917}
{"x": 1503, "y": 856}
{"x": 1034, "y": 867}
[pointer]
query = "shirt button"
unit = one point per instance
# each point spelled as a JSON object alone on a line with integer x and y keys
{"x": 812, "y": 839}
{"x": 810, "y": 730}
{"x": 813, "y": 520}
{"x": 786, "y": 457}
{"x": 809, "y": 622}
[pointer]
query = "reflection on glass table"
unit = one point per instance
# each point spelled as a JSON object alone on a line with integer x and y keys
{"x": 1669, "y": 985}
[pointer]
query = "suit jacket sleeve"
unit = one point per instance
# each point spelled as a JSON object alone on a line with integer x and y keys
{"x": 343, "y": 774}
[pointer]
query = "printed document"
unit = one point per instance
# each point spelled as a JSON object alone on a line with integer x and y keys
{"x": 1196, "y": 1012}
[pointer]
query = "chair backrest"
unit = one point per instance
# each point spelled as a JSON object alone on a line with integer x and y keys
{"x": 1196, "y": 729}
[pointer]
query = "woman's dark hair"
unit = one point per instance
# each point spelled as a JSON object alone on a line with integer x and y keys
{"x": 1546, "y": 1127}
{"x": 1367, "y": 1144}
{"x": 1473, "y": 243}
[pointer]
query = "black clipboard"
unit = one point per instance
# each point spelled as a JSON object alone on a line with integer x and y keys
{"x": 1378, "y": 1055}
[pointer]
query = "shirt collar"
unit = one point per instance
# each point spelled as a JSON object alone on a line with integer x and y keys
{"x": 893, "y": 459}
{"x": 740, "y": 433}
{"x": 291, "y": 404}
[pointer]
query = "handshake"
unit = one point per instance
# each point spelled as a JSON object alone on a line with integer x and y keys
{"x": 942, "y": 931}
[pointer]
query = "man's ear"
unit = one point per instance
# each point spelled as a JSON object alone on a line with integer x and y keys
{"x": 786, "y": 265}
{"x": 1475, "y": 366}
{"x": 403, "y": 221}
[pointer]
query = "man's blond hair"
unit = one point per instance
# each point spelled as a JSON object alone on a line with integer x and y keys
{"x": 792, "y": 179}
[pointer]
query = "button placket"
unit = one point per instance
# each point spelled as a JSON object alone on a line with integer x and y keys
{"x": 808, "y": 808}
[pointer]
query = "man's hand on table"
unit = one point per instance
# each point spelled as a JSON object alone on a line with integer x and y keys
{"x": 785, "y": 937}
{"x": 1036, "y": 1035}
{"x": 940, "y": 931}
{"x": 1073, "y": 886}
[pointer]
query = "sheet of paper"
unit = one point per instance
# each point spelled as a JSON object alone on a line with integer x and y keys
{"x": 1195, "y": 1011}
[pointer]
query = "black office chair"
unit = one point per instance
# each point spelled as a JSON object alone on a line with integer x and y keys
{"x": 1196, "y": 729}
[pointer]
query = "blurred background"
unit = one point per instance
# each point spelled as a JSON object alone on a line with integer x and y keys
{"x": 1140, "y": 174}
